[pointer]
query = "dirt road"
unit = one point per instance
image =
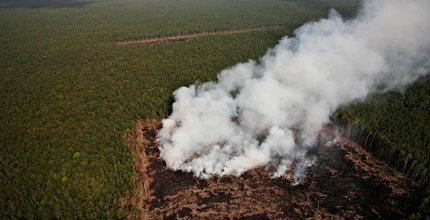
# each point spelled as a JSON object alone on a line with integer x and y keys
{"x": 157, "y": 40}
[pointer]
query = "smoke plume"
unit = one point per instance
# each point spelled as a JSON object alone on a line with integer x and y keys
{"x": 268, "y": 113}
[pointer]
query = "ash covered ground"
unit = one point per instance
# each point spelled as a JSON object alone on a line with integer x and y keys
{"x": 346, "y": 182}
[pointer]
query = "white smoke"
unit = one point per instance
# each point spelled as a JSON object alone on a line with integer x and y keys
{"x": 269, "y": 113}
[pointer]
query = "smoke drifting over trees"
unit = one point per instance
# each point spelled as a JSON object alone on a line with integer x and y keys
{"x": 269, "y": 113}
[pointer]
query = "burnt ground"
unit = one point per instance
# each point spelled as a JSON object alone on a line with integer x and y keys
{"x": 346, "y": 182}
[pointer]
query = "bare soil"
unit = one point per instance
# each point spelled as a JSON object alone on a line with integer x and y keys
{"x": 183, "y": 37}
{"x": 347, "y": 182}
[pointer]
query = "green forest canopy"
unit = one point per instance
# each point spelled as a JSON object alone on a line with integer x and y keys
{"x": 69, "y": 94}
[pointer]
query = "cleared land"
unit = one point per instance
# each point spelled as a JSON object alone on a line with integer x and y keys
{"x": 346, "y": 182}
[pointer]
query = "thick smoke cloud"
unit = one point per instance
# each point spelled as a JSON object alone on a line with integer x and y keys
{"x": 269, "y": 113}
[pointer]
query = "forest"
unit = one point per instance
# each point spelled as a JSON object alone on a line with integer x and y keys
{"x": 70, "y": 94}
{"x": 394, "y": 125}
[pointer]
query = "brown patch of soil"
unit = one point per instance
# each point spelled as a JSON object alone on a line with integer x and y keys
{"x": 142, "y": 139}
{"x": 345, "y": 183}
{"x": 183, "y": 37}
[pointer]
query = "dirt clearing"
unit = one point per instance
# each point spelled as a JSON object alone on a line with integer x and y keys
{"x": 346, "y": 182}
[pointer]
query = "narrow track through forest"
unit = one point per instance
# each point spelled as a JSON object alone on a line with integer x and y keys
{"x": 182, "y": 37}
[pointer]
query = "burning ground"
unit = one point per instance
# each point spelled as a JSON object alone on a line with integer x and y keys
{"x": 344, "y": 182}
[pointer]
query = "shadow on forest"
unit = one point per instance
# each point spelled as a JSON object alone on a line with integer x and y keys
{"x": 44, "y": 3}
